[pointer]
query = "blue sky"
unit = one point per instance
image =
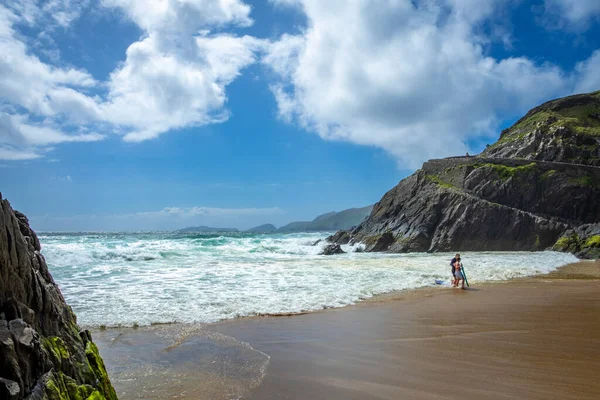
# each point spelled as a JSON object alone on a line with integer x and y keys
{"x": 129, "y": 115}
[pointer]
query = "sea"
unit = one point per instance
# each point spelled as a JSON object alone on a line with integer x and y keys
{"x": 139, "y": 279}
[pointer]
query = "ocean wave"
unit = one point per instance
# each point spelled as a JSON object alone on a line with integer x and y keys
{"x": 122, "y": 280}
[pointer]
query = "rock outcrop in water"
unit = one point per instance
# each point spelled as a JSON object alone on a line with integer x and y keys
{"x": 584, "y": 241}
{"x": 43, "y": 353}
{"x": 332, "y": 249}
{"x": 538, "y": 181}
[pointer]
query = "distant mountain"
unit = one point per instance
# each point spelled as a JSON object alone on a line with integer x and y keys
{"x": 205, "y": 229}
{"x": 331, "y": 221}
{"x": 266, "y": 228}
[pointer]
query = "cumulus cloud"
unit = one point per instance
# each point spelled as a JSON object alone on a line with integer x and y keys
{"x": 589, "y": 73}
{"x": 206, "y": 212}
{"x": 175, "y": 76}
{"x": 572, "y": 14}
{"x": 32, "y": 88}
{"x": 22, "y": 140}
{"x": 412, "y": 78}
{"x": 157, "y": 90}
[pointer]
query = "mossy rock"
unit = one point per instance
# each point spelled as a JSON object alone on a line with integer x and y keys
{"x": 568, "y": 244}
{"x": 593, "y": 241}
{"x": 62, "y": 387}
{"x": 57, "y": 349}
{"x": 93, "y": 356}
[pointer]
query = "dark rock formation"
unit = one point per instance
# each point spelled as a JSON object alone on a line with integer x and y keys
{"x": 564, "y": 130}
{"x": 513, "y": 196}
{"x": 340, "y": 237}
{"x": 379, "y": 242}
{"x": 43, "y": 353}
{"x": 482, "y": 204}
{"x": 332, "y": 249}
{"x": 584, "y": 241}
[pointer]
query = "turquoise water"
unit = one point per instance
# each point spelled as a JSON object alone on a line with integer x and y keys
{"x": 122, "y": 279}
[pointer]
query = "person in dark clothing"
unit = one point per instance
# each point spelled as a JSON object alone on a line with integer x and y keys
{"x": 452, "y": 264}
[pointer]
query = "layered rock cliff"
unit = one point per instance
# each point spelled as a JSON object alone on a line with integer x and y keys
{"x": 43, "y": 353}
{"x": 563, "y": 130}
{"x": 538, "y": 181}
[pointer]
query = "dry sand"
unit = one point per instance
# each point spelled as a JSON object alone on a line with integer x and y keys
{"x": 535, "y": 338}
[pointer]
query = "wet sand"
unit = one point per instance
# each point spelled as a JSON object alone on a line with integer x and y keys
{"x": 535, "y": 338}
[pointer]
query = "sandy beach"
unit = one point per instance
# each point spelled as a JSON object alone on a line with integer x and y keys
{"x": 534, "y": 338}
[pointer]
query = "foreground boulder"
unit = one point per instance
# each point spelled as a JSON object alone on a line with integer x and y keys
{"x": 43, "y": 353}
{"x": 332, "y": 249}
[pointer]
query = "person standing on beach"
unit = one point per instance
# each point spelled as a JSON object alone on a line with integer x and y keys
{"x": 459, "y": 276}
{"x": 452, "y": 264}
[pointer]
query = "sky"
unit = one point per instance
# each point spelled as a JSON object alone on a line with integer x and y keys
{"x": 125, "y": 115}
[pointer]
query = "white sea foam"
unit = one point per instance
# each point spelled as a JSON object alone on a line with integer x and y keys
{"x": 122, "y": 279}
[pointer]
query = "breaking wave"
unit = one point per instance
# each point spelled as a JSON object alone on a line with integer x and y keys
{"x": 146, "y": 278}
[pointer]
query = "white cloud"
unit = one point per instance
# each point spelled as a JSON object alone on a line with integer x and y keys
{"x": 183, "y": 17}
{"x": 17, "y": 154}
{"x": 206, "y": 212}
{"x": 589, "y": 72}
{"x": 412, "y": 78}
{"x": 22, "y": 140}
{"x": 157, "y": 90}
{"x": 64, "y": 12}
{"x": 175, "y": 76}
{"x": 573, "y": 15}
{"x": 25, "y": 80}
{"x": 43, "y": 90}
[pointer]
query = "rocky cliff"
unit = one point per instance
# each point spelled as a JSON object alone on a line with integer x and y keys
{"x": 43, "y": 353}
{"x": 538, "y": 181}
{"x": 562, "y": 130}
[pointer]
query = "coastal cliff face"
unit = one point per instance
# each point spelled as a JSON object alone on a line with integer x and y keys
{"x": 537, "y": 182}
{"x": 563, "y": 130}
{"x": 43, "y": 353}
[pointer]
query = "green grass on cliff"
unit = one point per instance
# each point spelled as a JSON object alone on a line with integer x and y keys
{"x": 505, "y": 172}
{"x": 586, "y": 180}
{"x": 580, "y": 118}
{"x": 437, "y": 180}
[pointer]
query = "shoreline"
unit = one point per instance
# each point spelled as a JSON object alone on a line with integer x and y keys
{"x": 352, "y": 342}
{"x": 400, "y": 294}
